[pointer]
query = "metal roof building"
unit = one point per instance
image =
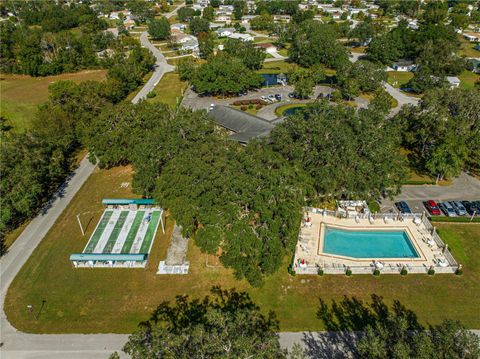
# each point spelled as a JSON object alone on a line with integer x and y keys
{"x": 246, "y": 127}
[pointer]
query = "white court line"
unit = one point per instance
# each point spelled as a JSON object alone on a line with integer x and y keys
{"x": 137, "y": 243}
{"x": 106, "y": 233}
{"x": 122, "y": 236}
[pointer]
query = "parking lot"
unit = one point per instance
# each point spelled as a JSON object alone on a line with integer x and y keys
{"x": 463, "y": 188}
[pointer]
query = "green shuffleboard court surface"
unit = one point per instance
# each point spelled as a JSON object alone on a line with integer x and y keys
{"x": 115, "y": 232}
{"x": 151, "y": 230}
{"x": 98, "y": 232}
{"x": 133, "y": 232}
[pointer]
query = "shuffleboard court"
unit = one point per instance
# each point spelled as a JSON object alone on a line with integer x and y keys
{"x": 123, "y": 236}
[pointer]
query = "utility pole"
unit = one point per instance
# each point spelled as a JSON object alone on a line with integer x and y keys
{"x": 80, "y": 224}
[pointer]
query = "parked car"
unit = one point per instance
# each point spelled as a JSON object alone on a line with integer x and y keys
{"x": 432, "y": 208}
{"x": 459, "y": 208}
{"x": 291, "y": 95}
{"x": 278, "y": 97}
{"x": 448, "y": 209}
{"x": 265, "y": 98}
{"x": 403, "y": 207}
{"x": 471, "y": 207}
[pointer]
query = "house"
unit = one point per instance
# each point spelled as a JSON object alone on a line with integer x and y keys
{"x": 472, "y": 36}
{"x": 474, "y": 65}
{"x": 181, "y": 38}
{"x": 190, "y": 45}
{"x": 269, "y": 48}
{"x": 179, "y": 27}
{"x": 215, "y": 25}
{"x": 477, "y": 47}
{"x": 243, "y": 37}
{"x": 281, "y": 18}
{"x": 129, "y": 24}
{"x": 115, "y": 15}
{"x": 225, "y": 32}
{"x": 453, "y": 81}
{"x": 413, "y": 25}
{"x": 318, "y": 18}
{"x": 246, "y": 19}
{"x": 404, "y": 66}
{"x": 224, "y": 18}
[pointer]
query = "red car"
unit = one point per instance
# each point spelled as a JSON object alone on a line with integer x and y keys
{"x": 432, "y": 207}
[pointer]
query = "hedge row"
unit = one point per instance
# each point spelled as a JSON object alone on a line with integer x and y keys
{"x": 249, "y": 102}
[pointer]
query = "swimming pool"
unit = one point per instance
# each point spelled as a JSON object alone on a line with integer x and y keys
{"x": 368, "y": 244}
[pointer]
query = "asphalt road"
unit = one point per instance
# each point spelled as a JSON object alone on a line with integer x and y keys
{"x": 161, "y": 65}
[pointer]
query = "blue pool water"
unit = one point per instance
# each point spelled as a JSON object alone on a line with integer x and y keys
{"x": 368, "y": 244}
{"x": 292, "y": 110}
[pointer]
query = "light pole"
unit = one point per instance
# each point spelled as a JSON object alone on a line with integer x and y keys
{"x": 80, "y": 223}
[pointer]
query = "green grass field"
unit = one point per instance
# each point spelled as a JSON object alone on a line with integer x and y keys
{"x": 468, "y": 79}
{"x": 22, "y": 94}
{"x": 169, "y": 90}
{"x": 398, "y": 79}
{"x": 107, "y": 300}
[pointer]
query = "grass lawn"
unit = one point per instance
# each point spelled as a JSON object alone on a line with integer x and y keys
{"x": 398, "y": 79}
{"x": 283, "y": 52}
{"x": 468, "y": 79}
{"x": 276, "y": 67}
{"x": 21, "y": 94}
{"x": 169, "y": 90}
{"x": 115, "y": 300}
{"x": 467, "y": 48}
{"x": 358, "y": 49}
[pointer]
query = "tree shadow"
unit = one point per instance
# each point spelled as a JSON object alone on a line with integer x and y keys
{"x": 345, "y": 322}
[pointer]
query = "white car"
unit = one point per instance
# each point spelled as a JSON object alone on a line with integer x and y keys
{"x": 448, "y": 209}
{"x": 459, "y": 208}
{"x": 272, "y": 98}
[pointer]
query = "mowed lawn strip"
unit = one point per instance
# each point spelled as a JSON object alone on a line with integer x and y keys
{"x": 21, "y": 94}
{"x": 114, "y": 300}
{"x": 152, "y": 227}
{"x": 99, "y": 231}
{"x": 115, "y": 232}
{"x": 133, "y": 232}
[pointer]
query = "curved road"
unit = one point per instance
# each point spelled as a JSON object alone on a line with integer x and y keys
{"x": 161, "y": 65}
{"x": 15, "y": 344}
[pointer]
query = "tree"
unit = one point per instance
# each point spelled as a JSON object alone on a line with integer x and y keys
{"x": 209, "y": 13}
{"x": 186, "y": 69}
{"x": 250, "y": 56}
{"x": 224, "y": 75}
{"x": 304, "y": 80}
{"x": 185, "y": 13}
{"x": 324, "y": 139}
{"x": 364, "y": 32}
{"x": 263, "y": 22}
{"x": 361, "y": 76}
{"x": 316, "y": 43}
{"x": 443, "y": 132}
{"x": 205, "y": 44}
{"x": 226, "y": 324}
{"x": 239, "y": 9}
{"x": 159, "y": 29}
{"x": 198, "y": 25}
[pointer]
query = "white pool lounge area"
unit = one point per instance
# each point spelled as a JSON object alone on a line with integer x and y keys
{"x": 335, "y": 241}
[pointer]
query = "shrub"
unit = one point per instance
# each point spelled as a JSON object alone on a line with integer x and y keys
{"x": 250, "y": 106}
{"x": 237, "y": 103}
{"x": 320, "y": 271}
{"x": 291, "y": 271}
{"x": 348, "y": 272}
{"x": 258, "y": 106}
{"x": 243, "y": 108}
{"x": 459, "y": 271}
{"x": 376, "y": 272}
{"x": 263, "y": 103}
{"x": 151, "y": 94}
{"x": 404, "y": 271}
{"x": 255, "y": 101}
{"x": 431, "y": 271}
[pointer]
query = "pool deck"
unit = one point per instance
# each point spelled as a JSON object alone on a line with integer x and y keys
{"x": 310, "y": 247}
